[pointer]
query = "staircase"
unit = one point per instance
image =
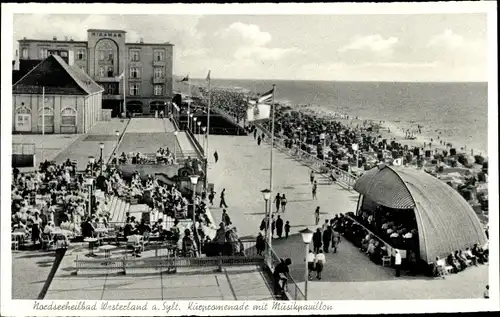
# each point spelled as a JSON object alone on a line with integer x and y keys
{"x": 118, "y": 208}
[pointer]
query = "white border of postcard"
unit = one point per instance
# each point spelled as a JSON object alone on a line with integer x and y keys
{"x": 25, "y": 307}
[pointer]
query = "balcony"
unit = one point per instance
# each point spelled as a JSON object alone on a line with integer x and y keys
{"x": 159, "y": 80}
{"x": 134, "y": 79}
{"x": 107, "y": 79}
{"x": 159, "y": 63}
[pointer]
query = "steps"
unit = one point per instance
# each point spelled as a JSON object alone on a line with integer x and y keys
{"x": 118, "y": 209}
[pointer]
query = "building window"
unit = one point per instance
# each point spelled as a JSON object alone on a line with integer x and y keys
{"x": 24, "y": 53}
{"x": 80, "y": 54}
{"x": 159, "y": 55}
{"x": 134, "y": 72}
{"x": 158, "y": 90}
{"x": 93, "y": 33}
{"x": 64, "y": 53}
{"x": 101, "y": 55}
{"x": 68, "y": 116}
{"x": 46, "y": 117}
{"x": 110, "y": 90}
{"x": 158, "y": 72}
{"x": 51, "y": 52}
{"x": 44, "y": 53}
{"x": 119, "y": 35}
{"x": 134, "y": 89}
{"x": 134, "y": 55}
{"x": 101, "y": 71}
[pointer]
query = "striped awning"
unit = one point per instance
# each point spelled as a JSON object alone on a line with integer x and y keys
{"x": 384, "y": 187}
{"x": 446, "y": 222}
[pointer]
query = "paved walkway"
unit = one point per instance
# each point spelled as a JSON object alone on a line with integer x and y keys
{"x": 88, "y": 144}
{"x": 243, "y": 169}
{"x": 235, "y": 283}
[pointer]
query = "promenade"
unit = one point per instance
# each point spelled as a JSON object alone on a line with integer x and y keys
{"x": 243, "y": 169}
{"x": 233, "y": 283}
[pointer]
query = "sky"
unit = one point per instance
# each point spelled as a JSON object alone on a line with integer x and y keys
{"x": 418, "y": 47}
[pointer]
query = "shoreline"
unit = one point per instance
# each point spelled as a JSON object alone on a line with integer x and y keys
{"x": 396, "y": 132}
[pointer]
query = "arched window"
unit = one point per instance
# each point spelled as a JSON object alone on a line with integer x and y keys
{"x": 23, "y": 110}
{"x": 46, "y": 117}
{"x": 68, "y": 116}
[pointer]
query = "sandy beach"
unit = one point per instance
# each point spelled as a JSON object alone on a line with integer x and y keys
{"x": 396, "y": 131}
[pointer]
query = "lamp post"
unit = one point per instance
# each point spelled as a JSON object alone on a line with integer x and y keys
{"x": 194, "y": 125}
{"x": 91, "y": 161}
{"x": 306, "y": 238}
{"x": 355, "y": 148}
{"x": 89, "y": 184}
{"x": 266, "y": 194}
{"x": 175, "y": 147}
{"x": 101, "y": 147}
{"x": 190, "y": 126}
{"x": 194, "y": 182}
{"x": 187, "y": 120}
{"x": 203, "y": 129}
{"x": 199, "y": 130}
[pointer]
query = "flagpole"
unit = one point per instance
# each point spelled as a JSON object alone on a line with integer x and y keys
{"x": 208, "y": 128}
{"x": 269, "y": 223}
{"x": 125, "y": 93}
{"x": 43, "y": 117}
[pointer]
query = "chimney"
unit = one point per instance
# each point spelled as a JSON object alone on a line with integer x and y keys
{"x": 141, "y": 40}
{"x": 54, "y": 38}
{"x": 24, "y": 38}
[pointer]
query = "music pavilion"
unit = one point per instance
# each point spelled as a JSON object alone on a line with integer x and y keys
{"x": 402, "y": 199}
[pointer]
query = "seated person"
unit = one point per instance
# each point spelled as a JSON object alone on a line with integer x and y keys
{"x": 451, "y": 261}
{"x": 88, "y": 230}
{"x": 463, "y": 262}
{"x": 468, "y": 254}
{"x": 188, "y": 244}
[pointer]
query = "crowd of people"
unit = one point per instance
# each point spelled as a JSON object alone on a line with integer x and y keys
{"x": 162, "y": 156}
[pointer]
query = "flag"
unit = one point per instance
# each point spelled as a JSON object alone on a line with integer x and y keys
{"x": 121, "y": 75}
{"x": 208, "y": 76}
{"x": 258, "y": 112}
{"x": 185, "y": 79}
{"x": 266, "y": 97}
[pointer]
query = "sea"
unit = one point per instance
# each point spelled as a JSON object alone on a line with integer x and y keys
{"x": 457, "y": 112}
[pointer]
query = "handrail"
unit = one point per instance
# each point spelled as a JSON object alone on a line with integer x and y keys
{"x": 313, "y": 162}
{"x": 196, "y": 144}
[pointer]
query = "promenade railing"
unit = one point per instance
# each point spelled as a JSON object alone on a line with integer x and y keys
{"x": 292, "y": 289}
{"x": 318, "y": 165}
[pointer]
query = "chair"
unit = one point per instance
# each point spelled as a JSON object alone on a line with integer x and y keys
{"x": 136, "y": 242}
{"x": 386, "y": 260}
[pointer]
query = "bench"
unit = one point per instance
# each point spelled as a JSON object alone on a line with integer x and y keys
{"x": 99, "y": 264}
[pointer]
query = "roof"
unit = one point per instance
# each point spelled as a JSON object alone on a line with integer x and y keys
{"x": 106, "y": 30}
{"x": 53, "y": 41}
{"x": 57, "y": 78}
{"x": 151, "y": 44}
{"x": 446, "y": 222}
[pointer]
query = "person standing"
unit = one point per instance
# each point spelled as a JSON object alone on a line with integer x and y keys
{"x": 314, "y": 190}
{"x": 287, "y": 229}
{"x": 260, "y": 244}
{"x": 283, "y": 203}
{"x": 397, "y": 262}
{"x": 335, "y": 240}
{"x": 327, "y": 237}
{"x": 311, "y": 176}
{"x": 225, "y": 218}
{"x": 277, "y": 201}
{"x": 310, "y": 264}
{"x": 216, "y": 156}
{"x": 279, "y": 227}
{"x": 223, "y": 199}
{"x": 316, "y": 216}
{"x": 273, "y": 226}
{"x": 211, "y": 197}
{"x": 259, "y": 140}
{"x": 254, "y": 133}
{"x": 320, "y": 263}
{"x": 317, "y": 240}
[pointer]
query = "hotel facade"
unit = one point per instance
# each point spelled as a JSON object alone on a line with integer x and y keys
{"x": 147, "y": 80}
